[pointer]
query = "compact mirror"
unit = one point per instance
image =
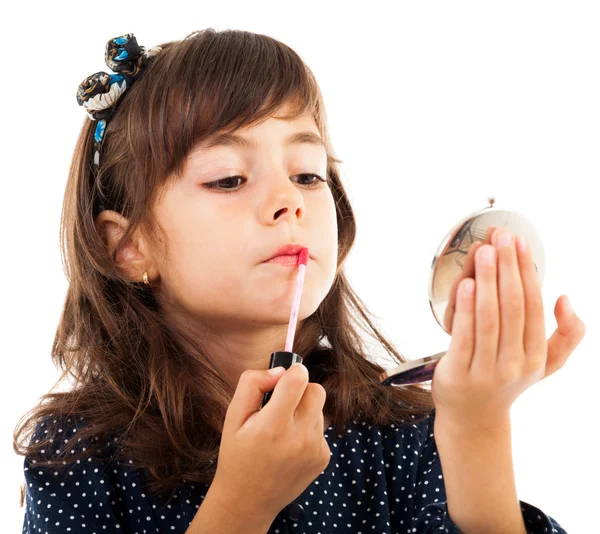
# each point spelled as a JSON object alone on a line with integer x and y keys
{"x": 451, "y": 263}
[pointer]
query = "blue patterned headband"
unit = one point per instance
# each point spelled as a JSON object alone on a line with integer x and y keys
{"x": 100, "y": 92}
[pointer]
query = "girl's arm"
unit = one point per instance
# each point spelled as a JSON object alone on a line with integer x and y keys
{"x": 479, "y": 478}
{"x": 498, "y": 350}
{"x": 221, "y": 513}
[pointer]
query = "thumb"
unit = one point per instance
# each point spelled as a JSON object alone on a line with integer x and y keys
{"x": 249, "y": 394}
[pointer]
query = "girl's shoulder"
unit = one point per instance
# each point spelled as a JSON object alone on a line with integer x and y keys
{"x": 66, "y": 435}
{"x": 71, "y": 492}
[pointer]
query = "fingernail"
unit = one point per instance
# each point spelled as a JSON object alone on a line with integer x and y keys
{"x": 568, "y": 306}
{"x": 521, "y": 243}
{"x": 304, "y": 368}
{"x": 487, "y": 255}
{"x": 468, "y": 286}
{"x": 276, "y": 370}
{"x": 504, "y": 239}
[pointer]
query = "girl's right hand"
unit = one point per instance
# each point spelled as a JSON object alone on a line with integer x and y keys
{"x": 268, "y": 456}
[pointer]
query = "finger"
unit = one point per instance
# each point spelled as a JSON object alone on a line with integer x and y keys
{"x": 565, "y": 338}
{"x": 511, "y": 300}
{"x": 467, "y": 272}
{"x": 486, "y": 312}
{"x": 311, "y": 405}
{"x": 320, "y": 424}
{"x": 534, "y": 334}
{"x": 248, "y": 395}
{"x": 287, "y": 394}
{"x": 489, "y": 232}
{"x": 463, "y": 328}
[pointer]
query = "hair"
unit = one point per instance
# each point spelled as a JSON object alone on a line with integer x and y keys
{"x": 131, "y": 372}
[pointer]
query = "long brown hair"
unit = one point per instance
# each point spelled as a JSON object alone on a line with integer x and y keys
{"x": 131, "y": 373}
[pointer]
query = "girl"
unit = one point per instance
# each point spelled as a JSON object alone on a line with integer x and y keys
{"x": 201, "y": 159}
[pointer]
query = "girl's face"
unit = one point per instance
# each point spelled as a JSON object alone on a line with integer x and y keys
{"x": 234, "y": 206}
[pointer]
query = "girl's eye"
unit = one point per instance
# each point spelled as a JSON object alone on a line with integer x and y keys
{"x": 228, "y": 181}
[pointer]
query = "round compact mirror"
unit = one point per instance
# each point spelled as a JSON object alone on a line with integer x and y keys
{"x": 451, "y": 264}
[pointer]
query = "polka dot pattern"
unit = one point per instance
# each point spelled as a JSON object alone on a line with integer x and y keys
{"x": 380, "y": 480}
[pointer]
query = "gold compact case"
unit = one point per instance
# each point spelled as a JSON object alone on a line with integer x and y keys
{"x": 449, "y": 266}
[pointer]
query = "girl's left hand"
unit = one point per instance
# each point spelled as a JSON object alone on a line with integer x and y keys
{"x": 499, "y": 347}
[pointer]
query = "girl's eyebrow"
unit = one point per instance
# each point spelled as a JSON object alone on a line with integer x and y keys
{"x": 237, "y": 141}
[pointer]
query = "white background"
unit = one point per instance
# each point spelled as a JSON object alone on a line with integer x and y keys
{"x": 433, "y": 106}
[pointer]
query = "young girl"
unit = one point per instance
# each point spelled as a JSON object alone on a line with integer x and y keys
{"x": 198, "y": 161}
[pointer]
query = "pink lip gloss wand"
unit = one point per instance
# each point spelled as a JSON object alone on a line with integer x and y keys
{"x": 286, "y": 357}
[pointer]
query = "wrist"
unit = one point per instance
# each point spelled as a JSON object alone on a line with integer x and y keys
{"x": 448, "y": 425}
{"x": 240, "y": 511}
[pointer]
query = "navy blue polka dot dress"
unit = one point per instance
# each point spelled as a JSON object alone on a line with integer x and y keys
{"x": 379, "y": 480}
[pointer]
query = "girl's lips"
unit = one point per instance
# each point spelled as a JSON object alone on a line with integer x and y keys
{"x": 285, "y": 259}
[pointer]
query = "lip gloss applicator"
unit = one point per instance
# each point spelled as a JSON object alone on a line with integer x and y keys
{"x": 286, "y": 357}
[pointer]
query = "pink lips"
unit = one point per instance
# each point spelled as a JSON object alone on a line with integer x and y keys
{"x": 285, "y": 259}
{"x": 290, "y": 252}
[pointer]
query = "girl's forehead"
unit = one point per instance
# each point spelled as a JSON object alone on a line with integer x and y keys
{"x": 291, "y": 132}
{"x": 280, "y": 120}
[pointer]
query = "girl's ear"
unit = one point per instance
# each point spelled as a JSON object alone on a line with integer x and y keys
{"x": 133, "y": 256}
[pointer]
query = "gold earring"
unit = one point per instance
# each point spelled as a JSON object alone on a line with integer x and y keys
{"x": 146, "y": 278}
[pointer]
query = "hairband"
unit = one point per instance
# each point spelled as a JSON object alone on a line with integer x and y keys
{"x": 100, "y": 92}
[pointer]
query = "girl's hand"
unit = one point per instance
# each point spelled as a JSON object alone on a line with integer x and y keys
{"x": 269, "y": 456}
{"x": 499, "y": 347}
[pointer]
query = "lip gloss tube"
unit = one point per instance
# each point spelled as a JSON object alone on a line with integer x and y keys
{"x": 287, "y": 358}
